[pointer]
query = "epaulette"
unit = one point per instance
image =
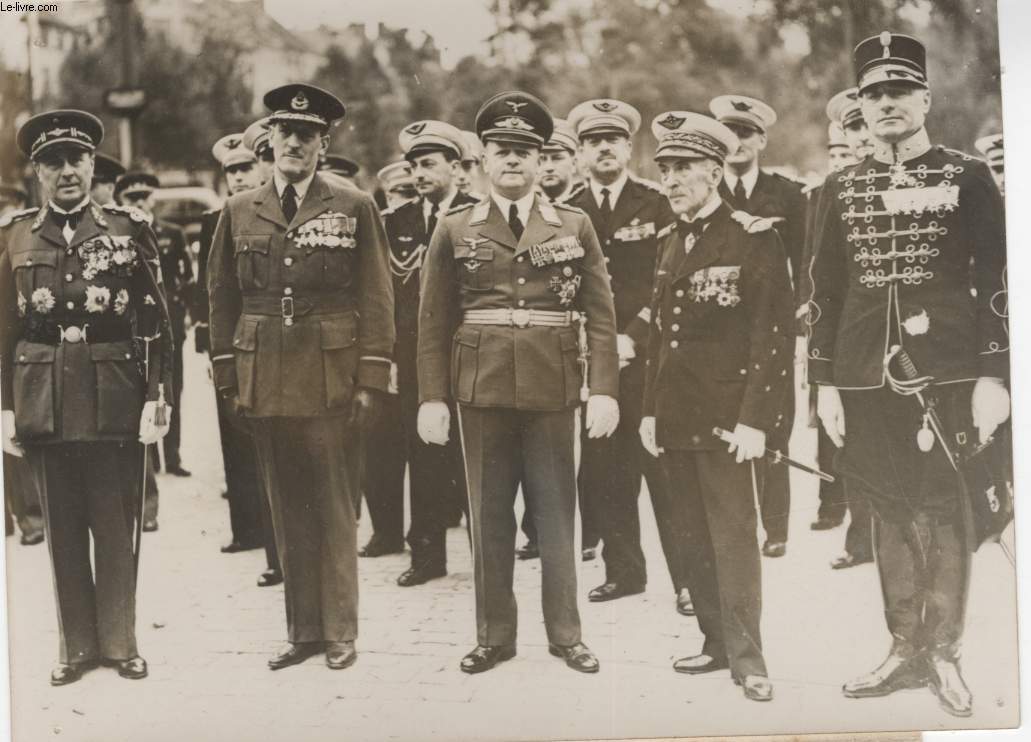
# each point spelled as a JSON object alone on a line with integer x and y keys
{"x": 17, "y": 216}
{"x": 755, "y": 224}
{"x": 958, "y": 153}
{"x": 668, "y": 229}
{"x": 650, "y": 184}
{"x": 788, "y": 178}
{"x": 209, "y": 212}
{"x": 131, "y": 211}
{"x": 576, "y": 191}
{"x": 460, "y": 208}
{"x": 568, "y": 207}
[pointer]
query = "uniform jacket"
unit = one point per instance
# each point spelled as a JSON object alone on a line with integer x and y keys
{"x": 629, "y": 244}
{"x": 106, "y": 281}
{"x": 721, "y": 339}
{"x": 200, "y": 309}
{"x": 475, "y": 262}
{"x": 900, "y": 259}
{"x": 300, "y": 312}
{"x": 176, "y": 271}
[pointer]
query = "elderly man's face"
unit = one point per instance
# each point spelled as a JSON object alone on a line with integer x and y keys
{"x": 689, "y": 183}
{"x": 65, "y": 174}
{"x": 894, "y": 110}
{"x": 297, "y": 146}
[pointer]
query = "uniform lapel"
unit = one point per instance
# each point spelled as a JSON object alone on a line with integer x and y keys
{"x": 496, "y": 227}
{"x": 269, "y": 208}
{"x": 708, "y": 247}
{"x": 727, "y": 196}
{"x": 50, "y": 231}
{"x": 314, "y": 202}
{"x": 629, "y": 203}
{"x": 541, "y": 226}
{"x": 86, "y": 230}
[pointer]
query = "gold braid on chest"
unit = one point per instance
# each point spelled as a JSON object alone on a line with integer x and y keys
{"x": 403, "y": 268}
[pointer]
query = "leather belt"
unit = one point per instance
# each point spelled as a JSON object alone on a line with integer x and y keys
{"x": 519, "y": 317}
{"x": 289, "y": 307}
{"x": 53, "y": 333}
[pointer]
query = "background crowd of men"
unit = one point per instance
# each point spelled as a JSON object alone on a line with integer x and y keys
{"x": 521, "y": 313}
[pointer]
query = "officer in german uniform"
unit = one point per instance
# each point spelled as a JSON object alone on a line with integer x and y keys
{"x": 746, "y": 187}
{"x": 137, "y": 189}
{"x": 85, "y": 360}
{"x": 301, "y": 338}
{"x": 910, "y": 348}
{"x": 628, "y": 215}
{"x": 501, "y": 282}
{"x": 719, "y": 355}
{"x": 106, "y": 172}
{"x": 990, "y": 147}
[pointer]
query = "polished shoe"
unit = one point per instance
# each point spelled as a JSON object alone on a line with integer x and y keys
{"x": 757, "y": 688}
{"x": 340, "y": 655}
{"x": 902, "y": 669}
{"x": 150, "y": 525}
{"x": 825, "y": 524}
{"x": 419, "y": 574}
{"x": 684, "y": 605}
{"x": 65, "y": 674}
{"x": 528, "y": 550}
{"x": 775, "y": 549}
{"x": 270, "y": 577}
{"x": 613, "y": 590}
{"x": 700, "y": 664}
{"x": 588, "y": 555}
{"x": 234, "y": 547}
{"x": 945, "y": 681}
{"x": 377, "y": 548}
{"x": 484, "y": 658}
{"x": 295, "y": 654}
{"x": 177, "y": 471}
{"x": 134, "y": 668}
{"x": 577, "y": 656}
{"x": 31, "y": 538}
{"x": 847, "y": 560}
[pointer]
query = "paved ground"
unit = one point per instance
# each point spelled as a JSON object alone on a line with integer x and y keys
{"x": 206, "y": 631}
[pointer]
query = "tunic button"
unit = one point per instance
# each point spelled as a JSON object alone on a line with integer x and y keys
{"x": 403, "y": 253}
{"x": 21, "y": 358}
{"x": 674, "y": 344}
{"x": 743, "y": 372}
{"x": 69, "y": 277}
{"x": 680, "y": 293}
{"x": 677, "y": 310}
{"x": 70, "y": 305}
{"x": 522, "y": 302}
{"x": 775, "y": 328}
{"x": 288, "y": 321}
{"x": 567, "y": 271}
{"x": 695, "y": 440}
{"x": 28, "y": 261}
{"x": 128, "y": 356}
{"x": 520, "y": 259}
{"x": 288, "y": 291}
{"x": 521, "y": 280}
{"x": 675, "y": 328}
{"x": 608, "y": 259}
{"x": 767, "y": 387}
{"x": 773, "y": 352}
{"x": 288, "y": 262}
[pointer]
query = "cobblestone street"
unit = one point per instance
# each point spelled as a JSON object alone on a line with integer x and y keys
{"x": 207, "y": 631}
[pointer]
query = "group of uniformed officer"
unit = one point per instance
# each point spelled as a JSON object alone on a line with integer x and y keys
{"x": 505, "y": 315}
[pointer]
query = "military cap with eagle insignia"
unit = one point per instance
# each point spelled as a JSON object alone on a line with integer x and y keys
{"x": 421, "y": 137}
{"x": 562, "y": 139}
{"x": 991, "y": 147}
{"x": 255, "y": 137}
{"x": 604, "y": 116}
{"x": 64, "y": 126}
{"x": 514, "y": 117}
{"x": 844, "y": 108}
{"x": 300, "y": 102}
{"x": 232, "y": 150}
{"x": 890, "y": 57}
{"x": 106, "y": 169}
{"x": 133, "y": 183}
{"x": 692, "y": 136}
{"x": 743, "y": 111}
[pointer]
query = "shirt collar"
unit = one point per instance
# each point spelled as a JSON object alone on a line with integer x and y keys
{"x": 300, "y": 188}
{"x": 749, "y": 180}
{"x": 523, "y": 205}
{"x": 917, "y": 144}
{"x": 442, "y": 206}
{"x": 74, "y": 210}
{"x": 707, "y": 210}
{"x": 615, "y": 189}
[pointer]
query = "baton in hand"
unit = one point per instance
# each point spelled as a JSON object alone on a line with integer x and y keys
{"x": 777, "y": 457}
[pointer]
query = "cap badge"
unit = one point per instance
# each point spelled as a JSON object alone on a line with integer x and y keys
{"x": 672, "y": 122}
{"x": 886, "y": 43}
{"x": 605, "y": 106}
{"x": 233, "y": 143}
{"x": 740, "y": 105}
{"x": 299, "y": 102}
{"x": 416, "y": 128}
{"x": 513, "y": 122}
{"x": 515, "y": 105}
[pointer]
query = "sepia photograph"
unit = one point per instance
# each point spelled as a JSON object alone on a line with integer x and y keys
{"x": 502, "y": 370}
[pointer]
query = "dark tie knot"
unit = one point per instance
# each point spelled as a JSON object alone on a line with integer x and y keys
{"x": 513, "y": 221}
{"x": 289, "y": 201}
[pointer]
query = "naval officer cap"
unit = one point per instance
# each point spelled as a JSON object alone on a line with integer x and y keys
{"x": 563, "y": 139}
{"x": 256, "y": 137}
{"x": 106, "y": 169}
{"x": 472, "y": 147}
{"x": 135, "y": 183}
{"x": 693, "y": 136}
{"x": 836, "y": 136}
{"x": 396, "y": 175}
{"x": 845, "y": 108}
{"x": 231, "y": 150}
{"x": 422, "y": 137}
{"x": 991, "y": 147}
{"x": 300, "y": 102}
{"x": 741, "y": 110}
{"x": 890, "y": 57}
{"x": 66, "y": 126}
{"x": 604, "y": 116}
{"x": 514, "y": 117}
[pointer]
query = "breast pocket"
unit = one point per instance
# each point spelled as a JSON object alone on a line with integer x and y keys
{"x": 119, "y": 387}
{"x": 475, "y": 268}
{"x": 252, "y": 261}
{"x": 339, "y": 359}
{"x": 34, "y": 390}
{"x": 336, "y": 265}
{"x": 34, "y": 269}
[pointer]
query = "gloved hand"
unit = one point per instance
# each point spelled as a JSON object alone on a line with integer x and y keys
{"x": 434, "y": 422}
{"x": 392, "y": 383}
{"x": 832, "y": 413}
{"x": 647, "y": 431}
{"x": 625, "y": 348}
{"x": 365, "y": 409}
{"x": 747, "y": 442}
{"x": 990, "y": 405}
{"x": 10, "y": 442}
{"x": 602, "y": 416}
{"x": 150, "y": 430}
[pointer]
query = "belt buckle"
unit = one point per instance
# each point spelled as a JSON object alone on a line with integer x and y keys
{"x": 521, "y": 317}
{"x": 72, "y": 334}
{"x": 286, "y": 305}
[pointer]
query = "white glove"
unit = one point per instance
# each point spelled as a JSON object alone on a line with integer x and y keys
{"x": 625, "y": 350}
{"x": 11, "y": 444}
{"x": 434, "y": 422}
{"x": 150, "y": 431}
{"x": 747, "y": 442}
{"x": 647, "y": 431}
{"x": 832, "y": 413}
{"x": 602, "y": 416}
{"x": 392, "y": 383}
{"x": 990, "y": 405}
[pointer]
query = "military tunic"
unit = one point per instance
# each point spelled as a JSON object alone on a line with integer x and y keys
{"x": 301, "y": 314}
{"x": 73, "y": 371}
{"x": 517, "y": 387}
{"x": 719, "y": 354}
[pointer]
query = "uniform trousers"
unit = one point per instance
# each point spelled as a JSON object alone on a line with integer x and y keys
{"x": 170, "y": 442}
{"x": 504, "y": 447}
{"x": 714, "y": 508}
{"x": 383, "y": 479}
{"x": 309, "y": 466}
{"x": 22, "y": 495}
{"x": 91, "y": 488}
{"x": 245, "y": 490}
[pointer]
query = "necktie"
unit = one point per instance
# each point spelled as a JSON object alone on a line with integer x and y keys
{"x": 289, "y": 201}
{"x": 606, "y": 208}
{"x": 740, "y": 197}
{"x": 513, "y": 221}
{"x": 431, "y": 223}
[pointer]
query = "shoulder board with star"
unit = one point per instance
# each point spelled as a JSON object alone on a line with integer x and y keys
{"x": 17, "y": 216}
{"x": 956, "y": 152}
{"x": 576, "y": 191}
{"x": 130, "y": 211}
{"x": 649, "y": 184}
{"x": 460, "y": 208}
